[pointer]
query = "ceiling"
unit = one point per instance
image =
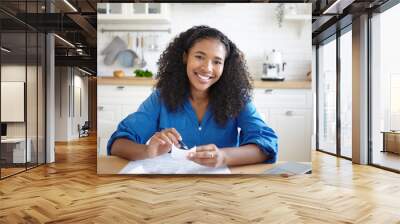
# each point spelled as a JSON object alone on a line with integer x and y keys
{"x": 79, "y": 27}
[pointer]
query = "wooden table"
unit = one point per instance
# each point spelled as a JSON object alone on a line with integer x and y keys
{"x": 113, "y": 164}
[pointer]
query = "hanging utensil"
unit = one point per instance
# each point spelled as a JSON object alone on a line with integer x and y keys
{"x": 129, "y": 41}
{"x": 128, "y": 57}
{"x": 143, "y": 63}
{"x": 137, "y": 64}
{"x": 137, "y": 42}
{"x": 112, "y": 50}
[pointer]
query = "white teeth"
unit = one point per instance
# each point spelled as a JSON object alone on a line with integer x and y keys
{"x": 203, "y": 77}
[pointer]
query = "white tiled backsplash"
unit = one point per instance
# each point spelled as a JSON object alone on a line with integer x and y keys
{"x": 252, "y": 27}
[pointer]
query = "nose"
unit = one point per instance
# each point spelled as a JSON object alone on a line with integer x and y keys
{"x": 207, "y": 66}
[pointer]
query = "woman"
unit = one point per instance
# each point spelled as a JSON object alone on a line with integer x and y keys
{"x": 203, "y": 97}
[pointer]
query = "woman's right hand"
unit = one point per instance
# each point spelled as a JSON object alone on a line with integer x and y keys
{"x": 161, "y": 142}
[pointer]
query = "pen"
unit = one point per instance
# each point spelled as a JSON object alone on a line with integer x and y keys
{"x": 183, "y": 145}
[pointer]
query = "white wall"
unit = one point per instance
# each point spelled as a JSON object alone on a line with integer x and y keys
{"x": 80, "y": 83}
{"x": 65, "y": 97}
{"x": 33, "y": 126}
{"x": 15, "y": 73}
{"x": 252, "y": 27}
{"x": 61, "y": 103}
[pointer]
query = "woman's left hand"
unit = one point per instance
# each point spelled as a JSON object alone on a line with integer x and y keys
{"x": 208, "y": 155}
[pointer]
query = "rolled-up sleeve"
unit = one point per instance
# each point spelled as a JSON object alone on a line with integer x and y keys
{"x": 141, "y": 125}
{"x": 255, "y": 131}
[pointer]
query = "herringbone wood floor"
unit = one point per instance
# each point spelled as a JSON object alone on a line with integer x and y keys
{"x": 69, "y": 191}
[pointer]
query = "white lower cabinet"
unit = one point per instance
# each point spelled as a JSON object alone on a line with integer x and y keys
{"x": 289, "y": 113}
{"x": 293, "y": 127}
{"x": 115, "y": 102}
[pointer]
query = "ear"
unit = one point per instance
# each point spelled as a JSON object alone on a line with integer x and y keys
{"x": 184, "y": 58}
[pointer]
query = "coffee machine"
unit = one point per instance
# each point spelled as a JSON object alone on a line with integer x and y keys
{"x": 273, "y": 67}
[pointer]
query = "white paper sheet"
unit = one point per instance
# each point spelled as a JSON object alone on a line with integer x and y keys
{"x": 171, "y": 163}
{"x": 181, "y": 154}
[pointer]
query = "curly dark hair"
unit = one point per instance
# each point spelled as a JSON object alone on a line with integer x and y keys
{"x": 227, "y": 96}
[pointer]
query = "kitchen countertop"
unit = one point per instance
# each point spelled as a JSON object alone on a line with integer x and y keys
{"x": 290, "y": 84}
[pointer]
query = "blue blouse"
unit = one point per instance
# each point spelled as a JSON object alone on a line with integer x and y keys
{"x": 153, "y": 116}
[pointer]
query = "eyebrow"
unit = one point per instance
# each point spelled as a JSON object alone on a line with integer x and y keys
{"x": 202, "y": 53}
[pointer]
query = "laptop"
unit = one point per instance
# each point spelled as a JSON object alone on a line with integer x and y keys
{"x": 290, "y": 168}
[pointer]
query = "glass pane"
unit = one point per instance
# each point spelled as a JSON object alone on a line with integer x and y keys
{"x": 31, "y": 88}
{"x": 41, "y": 99}
{"x": 139, "y": 8}
{"x": 346, "y": 94}
{"x": 386, "y": 89}
{"x": 31, "y": 98}
{"x": 395, "y": 102}
{"x": 22, "y": 53}
{"x": 327, "y": 97}
{"x": 154, "y": 8}
{"x": 42, "y": 6}
{"x": 13, "y": 71}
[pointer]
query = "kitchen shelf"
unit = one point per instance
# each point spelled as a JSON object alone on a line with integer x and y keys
{"x": 125, "y": 81}
{"x": 106, "y": 80}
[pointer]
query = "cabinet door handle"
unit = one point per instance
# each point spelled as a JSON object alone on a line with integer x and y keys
{"x": 289, "y": 113}
{"x": 268, "y": 91}
{"x": 120, "y": 87}
{"x": 101, "y": 108}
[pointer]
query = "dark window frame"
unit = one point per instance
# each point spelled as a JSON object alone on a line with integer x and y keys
{"x": 30, "y": 29}
{"x": 382, "y": 8}
{"x": 334, "y": 37}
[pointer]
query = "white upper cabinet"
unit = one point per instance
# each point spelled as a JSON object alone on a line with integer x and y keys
{"x": 138, "y": 12}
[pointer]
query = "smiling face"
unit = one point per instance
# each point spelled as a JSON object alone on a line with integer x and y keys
{"x": 205, "y": 63}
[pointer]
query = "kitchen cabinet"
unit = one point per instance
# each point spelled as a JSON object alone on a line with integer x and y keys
{"x": 289, "y": 113}
{"x": 115, "y": 102}
{"x": 293, "y": 127}
{"x": 133, "y": 12}
{"x": 108, "y": 9}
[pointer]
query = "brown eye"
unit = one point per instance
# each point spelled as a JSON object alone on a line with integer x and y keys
{"x": 217, "y": 62}
{"x": 198, "y": 56}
